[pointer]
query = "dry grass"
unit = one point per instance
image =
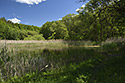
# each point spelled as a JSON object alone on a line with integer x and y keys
{"x": 31, "y": 41}
{"x": 115, "y": 40}
{"x": 43, "y": 44}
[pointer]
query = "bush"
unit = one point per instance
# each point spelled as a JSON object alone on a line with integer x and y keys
{"x": 35, "y": 37}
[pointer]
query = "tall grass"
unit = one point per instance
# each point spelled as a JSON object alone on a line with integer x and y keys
{"x": 20, "y": 57}
{"x": 18, "y": 63}
{"x": 59, "y": 61}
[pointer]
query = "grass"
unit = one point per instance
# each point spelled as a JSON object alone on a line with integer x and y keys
{"x": 62, "y": 62}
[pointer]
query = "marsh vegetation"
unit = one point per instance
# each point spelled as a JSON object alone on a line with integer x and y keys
{"x": 60, "y": 61}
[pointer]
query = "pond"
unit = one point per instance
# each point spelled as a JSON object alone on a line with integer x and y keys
{"x": 20, "y": 59}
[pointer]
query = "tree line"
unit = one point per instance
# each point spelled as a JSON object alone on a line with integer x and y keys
{"x": 97, "y": 21}
{"x": 11, "y": 31}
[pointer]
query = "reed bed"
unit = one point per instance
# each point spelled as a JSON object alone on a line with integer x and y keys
{"x": 65, "y": 59}
{"x": 19, "y": 57}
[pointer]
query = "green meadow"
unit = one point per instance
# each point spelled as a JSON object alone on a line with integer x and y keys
{"x": 59, "y": 61}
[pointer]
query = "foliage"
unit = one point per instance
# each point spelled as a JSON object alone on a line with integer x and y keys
{"x": 67, "y": 61}
{"x": 35, "y": 37}
{"x": 11, "y": 31}
{"x": 97, "y": 21}
{"x": 54, "y": 30}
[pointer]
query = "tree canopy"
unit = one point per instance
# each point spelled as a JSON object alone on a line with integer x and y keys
{"x": 97, "y": 21}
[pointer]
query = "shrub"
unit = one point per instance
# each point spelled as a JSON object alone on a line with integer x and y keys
{"x": 35, "y": 37}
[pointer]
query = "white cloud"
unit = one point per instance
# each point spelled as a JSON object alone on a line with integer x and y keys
{"x": 80, "y": 9}
{"x": 60, "y": 18}
{"x": 30, "y": 2}
{"x": 83, "y": 6}
{"x": 15, "y": 20}
{"x": 77, "y": 9}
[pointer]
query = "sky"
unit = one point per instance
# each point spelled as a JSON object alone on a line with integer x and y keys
{"x": 37, "y": 12}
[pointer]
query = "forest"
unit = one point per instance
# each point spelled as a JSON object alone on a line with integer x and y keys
{"x": 98, "y": 21}
{"x": 87, "y": 47}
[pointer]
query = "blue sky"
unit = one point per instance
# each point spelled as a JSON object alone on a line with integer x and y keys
{"x": 37, "y": 12}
